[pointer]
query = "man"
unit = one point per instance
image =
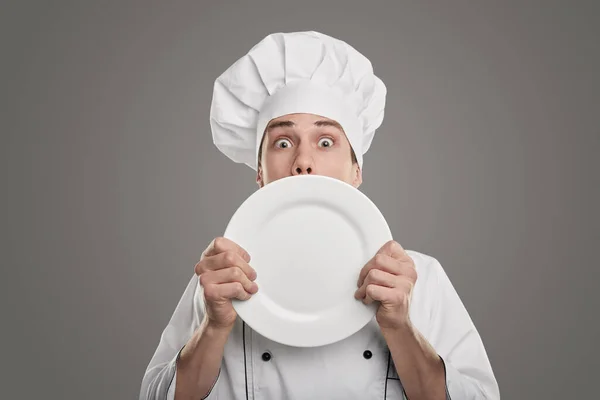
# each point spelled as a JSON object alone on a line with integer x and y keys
{"x": 306, "y": 103}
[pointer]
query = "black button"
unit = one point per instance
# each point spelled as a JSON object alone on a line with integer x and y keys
{"x": 266, "y": 356}
{"x": 367, "y": 354}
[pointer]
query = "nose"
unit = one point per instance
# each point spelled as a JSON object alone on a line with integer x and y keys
{"x": 300, "y": 171}
{"x": 303, "y": 164}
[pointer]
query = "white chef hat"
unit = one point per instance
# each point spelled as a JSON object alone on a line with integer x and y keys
{"x": 299, "y": 72}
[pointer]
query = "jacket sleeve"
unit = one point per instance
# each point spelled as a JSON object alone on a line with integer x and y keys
{"x": 469, "y": 375}
{"x": 160, "y": 374}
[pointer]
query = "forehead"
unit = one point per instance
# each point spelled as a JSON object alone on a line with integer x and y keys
{"x": 301, "y": 118}
{"x": 302, "y": 121}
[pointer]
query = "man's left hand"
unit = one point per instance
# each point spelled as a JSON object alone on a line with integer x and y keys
{"x": 389, "y": 278}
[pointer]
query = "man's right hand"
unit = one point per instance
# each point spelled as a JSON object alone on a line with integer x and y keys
{"x": 224, "y": 274}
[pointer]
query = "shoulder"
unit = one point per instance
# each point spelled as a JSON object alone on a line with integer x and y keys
{"x": 426, "y": 292}
{"x": 420, "y": 259}
{"x": 428, "y": 267}
{"x": 433, "y": 286}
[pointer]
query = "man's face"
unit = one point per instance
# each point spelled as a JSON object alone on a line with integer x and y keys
{"x": 298, "y": 144}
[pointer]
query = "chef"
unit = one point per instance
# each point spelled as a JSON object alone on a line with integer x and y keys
{"x": 307, "y": 103}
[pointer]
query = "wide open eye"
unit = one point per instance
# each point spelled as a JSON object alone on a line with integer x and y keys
{"x": 325, "y": 142}
{"x": 283, "y": 143}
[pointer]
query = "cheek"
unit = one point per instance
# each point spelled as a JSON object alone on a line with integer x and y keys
{"x": 338, "y": 164}
{"x": 275, "y": 165}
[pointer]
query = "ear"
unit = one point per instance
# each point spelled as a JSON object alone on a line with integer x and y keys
{"x": 357, "y": 172}
{"x": 259, "y": 177}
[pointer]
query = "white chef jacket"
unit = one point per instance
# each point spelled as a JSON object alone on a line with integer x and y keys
{"x": 358, "y": 367}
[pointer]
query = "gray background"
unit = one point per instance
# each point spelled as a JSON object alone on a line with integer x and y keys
{"x": 111, "y": 186}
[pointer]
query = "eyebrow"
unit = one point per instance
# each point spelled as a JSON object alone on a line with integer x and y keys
{"x": 329, "y": 123}
{"x": 291, "y": 124}
{"x": 280, "y": 124}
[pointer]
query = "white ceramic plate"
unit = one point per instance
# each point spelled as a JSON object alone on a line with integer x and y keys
{"x": 308, "y": 237}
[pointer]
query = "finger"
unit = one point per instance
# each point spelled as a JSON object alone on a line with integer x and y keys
{"x": 378, "y": 293}
{"x": 379, "y": 261}
{"x": 228, "y": 275}
{"x": 394, "y": 250}
{"x": 221, "y": 245}
{"x": 386, "y": 263}
{"x": 377, "y": 277}
{"x": 228, "y": 259}
{"x": 226, "y": 291}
